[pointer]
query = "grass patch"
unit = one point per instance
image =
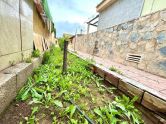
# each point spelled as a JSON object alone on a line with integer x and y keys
{"x": 112, "y": 68}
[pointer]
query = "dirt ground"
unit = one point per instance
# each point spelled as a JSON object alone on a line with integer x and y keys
{"x": 15, "y": 113}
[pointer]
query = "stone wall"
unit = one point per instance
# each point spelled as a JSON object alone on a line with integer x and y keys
{"x": 16, "y": 31}
{"x": 145, "y": 36}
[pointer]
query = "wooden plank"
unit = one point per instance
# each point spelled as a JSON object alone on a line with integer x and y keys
{"x": 43, "y": 44}
{"x": 112, "y": 79}
{"x": 38, "y": 42}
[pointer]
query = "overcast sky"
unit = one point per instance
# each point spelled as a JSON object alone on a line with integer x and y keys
{"x": 71, "y": 14}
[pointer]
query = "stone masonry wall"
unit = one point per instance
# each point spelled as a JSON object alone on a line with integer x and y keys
{"x": 144, "y": 36}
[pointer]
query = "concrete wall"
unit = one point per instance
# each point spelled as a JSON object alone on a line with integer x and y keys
{"x": 121, "y": 11}
{"x": 145, "y": 36}
{"x": 16, "y": 22}
{"x": 13, "y": 79}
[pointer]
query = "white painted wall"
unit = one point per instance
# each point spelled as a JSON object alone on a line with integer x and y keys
{"x": 121, "y": 11}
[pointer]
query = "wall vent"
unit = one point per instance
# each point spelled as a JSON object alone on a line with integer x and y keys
{"x": 134, "y": 58}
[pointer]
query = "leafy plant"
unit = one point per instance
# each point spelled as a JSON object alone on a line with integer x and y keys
{"x": 58, "y": 103}
{"x": 71, "y": 110}
{"x": 46, "y": 57}
{"x": 50, "y": 90}
{"x": 12, "y": 63}
{"x": 32, "y": 118}
{"x": 61, "y": 43}
{"x": 36, "y": 53}
{"x": 62, "y": 40}
{"x": 121, "y": 110}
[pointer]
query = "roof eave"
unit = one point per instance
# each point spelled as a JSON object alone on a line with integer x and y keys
{"x": 104, "y": 4}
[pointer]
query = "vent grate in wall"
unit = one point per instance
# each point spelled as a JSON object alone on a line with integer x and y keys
{"x": 134, "y": 58}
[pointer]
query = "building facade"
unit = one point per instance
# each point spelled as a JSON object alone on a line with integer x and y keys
{"x": 114, "y": 12}
{"x": 20, "y": 22}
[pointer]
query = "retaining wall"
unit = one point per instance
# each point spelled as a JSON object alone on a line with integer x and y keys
{"x": 145, "y": 36}
{"x": 13, "y": 79}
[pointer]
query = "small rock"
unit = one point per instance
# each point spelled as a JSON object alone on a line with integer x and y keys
{"x": 162, "y": 65}
{"x": 161, "y": 28}
{"x": 147, "y": 36}
{"x": 163, "y": 51}
{"x": 17, "y": 105}
{"x": 124, "y": 26}
{"x": 161, "y": 37}
{"x": 134, "y": 37}
{"x": 150, "y": 46}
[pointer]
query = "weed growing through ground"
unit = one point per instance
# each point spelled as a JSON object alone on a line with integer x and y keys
{"x": 112, "y": 68}
{"x": 28, "y": 60}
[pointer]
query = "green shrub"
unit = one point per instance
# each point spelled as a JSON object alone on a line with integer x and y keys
{"x": 62, "y": 40}
{"x": 61, "y": 43}
{"x": 36, "y": 53}
{"x": 46, "y": 57}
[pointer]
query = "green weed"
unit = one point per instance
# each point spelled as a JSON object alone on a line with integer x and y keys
{"x": 36, "y": 53}
{"x": 122, "y": 110}
{"x": 28, "y": 60}
{"x": 112, "y": 68}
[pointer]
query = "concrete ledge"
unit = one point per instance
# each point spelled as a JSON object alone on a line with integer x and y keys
{"x": 37, "y": 62}
{"x": 153, "y": 103}
{"x": 22, "y": 71}
{"x": 12, "y": 80}
{"x": 100, "y": 72}
{"x": 131, "y": 90}
{"x": 7, "y": 90}
{"x": 112, "y": 79}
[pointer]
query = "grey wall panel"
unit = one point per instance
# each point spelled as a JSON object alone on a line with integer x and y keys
{"x": 121, "y": 11}
{"x": 9, "y": 29}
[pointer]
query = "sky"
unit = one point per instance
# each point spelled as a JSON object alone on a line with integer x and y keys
{"x": 70, "y": 16}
